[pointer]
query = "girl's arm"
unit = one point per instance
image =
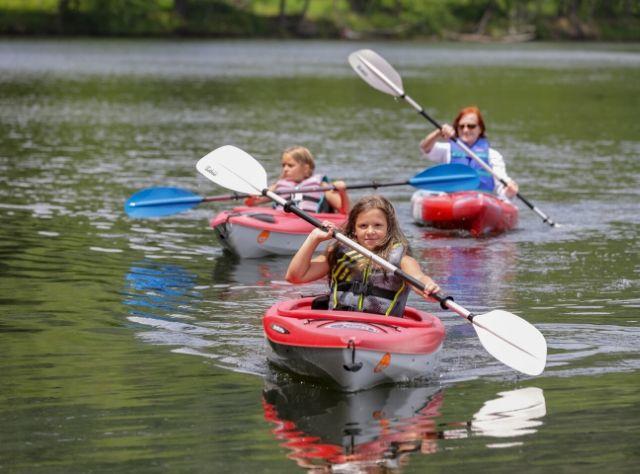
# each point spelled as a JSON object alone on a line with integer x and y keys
{"x": 411, "y": 266}
{"x": 338, "y": 199}
{"x": 303, "y": 267}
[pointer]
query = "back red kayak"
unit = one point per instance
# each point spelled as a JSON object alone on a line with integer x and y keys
{"x": 477, "y": 212}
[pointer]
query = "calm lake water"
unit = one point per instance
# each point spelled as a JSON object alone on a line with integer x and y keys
{"x": 136, "y": 345}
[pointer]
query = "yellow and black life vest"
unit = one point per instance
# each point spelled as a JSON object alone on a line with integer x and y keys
{"x": 357, "y": 284}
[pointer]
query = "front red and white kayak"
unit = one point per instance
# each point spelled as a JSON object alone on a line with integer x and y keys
{"x": 254, "y": 232}
{"x": 353, "y": 350}
{"x": 477, "y": 212}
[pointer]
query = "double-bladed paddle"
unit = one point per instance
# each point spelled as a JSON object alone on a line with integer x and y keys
{"x": 507, "y": 337}
{"x": 163, "y": 201}
{"x": 380, "y": 75}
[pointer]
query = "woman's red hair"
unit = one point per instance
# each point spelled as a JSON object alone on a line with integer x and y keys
{"x": 469, "y": 110}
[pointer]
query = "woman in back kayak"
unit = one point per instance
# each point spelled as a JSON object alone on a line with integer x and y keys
{"x": 469, "y": 127}
{"x": 356, "y": 282}
{"x": 298, "y": 166}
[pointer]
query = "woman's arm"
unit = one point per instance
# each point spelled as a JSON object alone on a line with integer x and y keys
{"x": 440, "y": 152}
{"x": 426, "y": 145}
{"x": 445, "y": 133}
{"x": 496, "y": 161}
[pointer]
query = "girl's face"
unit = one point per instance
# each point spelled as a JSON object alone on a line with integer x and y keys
{"x": 371, "y": 228}
{"x": 469, "y": 128}
{"x": 293, "y": 170}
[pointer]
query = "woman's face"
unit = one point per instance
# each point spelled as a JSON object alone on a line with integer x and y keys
{"x": 293, "y": 170}
{"x": 469, "y": 129}
{"x": 371, "y": 228}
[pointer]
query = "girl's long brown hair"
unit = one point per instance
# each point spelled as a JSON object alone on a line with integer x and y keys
{"x": 394, "y": 233}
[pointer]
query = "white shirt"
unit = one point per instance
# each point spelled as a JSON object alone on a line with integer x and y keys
{"x": 441, "y": 153}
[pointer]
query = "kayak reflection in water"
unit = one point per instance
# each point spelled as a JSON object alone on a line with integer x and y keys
{"x": 372, "y": 428}
{"x": 379, "y": 428}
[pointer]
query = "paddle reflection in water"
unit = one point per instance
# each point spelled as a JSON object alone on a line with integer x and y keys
{"x": 167, "y": 306}
{"x": 516, "y": 413}
{"x": 160, "y": 297}
{"x": 154, "y": 289}
{"x": 378, "y": 429}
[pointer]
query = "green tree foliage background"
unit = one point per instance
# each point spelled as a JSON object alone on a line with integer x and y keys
{"x": 398, "y": 19}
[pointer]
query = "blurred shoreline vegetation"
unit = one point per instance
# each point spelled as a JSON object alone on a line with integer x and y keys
{"x": 450, "y": 20}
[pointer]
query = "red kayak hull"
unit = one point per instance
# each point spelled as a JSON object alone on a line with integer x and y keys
{"x": 351, "y": 349}
{"x": 476, "y": 212}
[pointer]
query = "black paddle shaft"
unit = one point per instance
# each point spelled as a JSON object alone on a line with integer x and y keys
{"x": 428, "y": 117}
{"x": 290, "y": 207}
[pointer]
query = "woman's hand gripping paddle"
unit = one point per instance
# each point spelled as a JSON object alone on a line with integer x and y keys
{"x": 507, "y": 337}
{"x": 380, "y": 75}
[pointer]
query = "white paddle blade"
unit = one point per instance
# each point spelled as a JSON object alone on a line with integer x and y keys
{"x": 234, "y": 169}
{"x": 512, "y": 340}
{"x": 376, "y": 72}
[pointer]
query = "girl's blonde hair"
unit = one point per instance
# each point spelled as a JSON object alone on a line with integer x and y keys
{"x": 302, "y": 155}
{"x": 394, "y": 233}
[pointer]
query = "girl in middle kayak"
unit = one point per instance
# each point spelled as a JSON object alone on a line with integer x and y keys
{"x": 298, "y": 167}
{"x": 357, "y": 283}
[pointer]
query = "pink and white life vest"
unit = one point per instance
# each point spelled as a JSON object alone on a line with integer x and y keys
{"x": 307, "y": 201}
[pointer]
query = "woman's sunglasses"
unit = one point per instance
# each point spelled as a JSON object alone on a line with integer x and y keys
{"x": 470, "y": 126}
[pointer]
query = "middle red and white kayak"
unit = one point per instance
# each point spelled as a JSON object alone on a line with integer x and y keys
{"x": 353, "y": 350}
{"x": 254, "y": 232}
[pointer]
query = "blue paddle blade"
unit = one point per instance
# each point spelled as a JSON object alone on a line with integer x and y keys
{"x": 447, "y": 178}
{"x": 158, "y": 202}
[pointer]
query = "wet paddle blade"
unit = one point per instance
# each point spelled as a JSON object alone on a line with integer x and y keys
{"x": 447, "y": 178}
{"x": 159, "y": 202}
{"x": 376, "y": 72}
{"x": 512, "y": 340}
{"x": 233, "y": 168}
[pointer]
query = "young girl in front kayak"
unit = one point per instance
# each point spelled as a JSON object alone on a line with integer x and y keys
{"x": 357, "y": 283}
{"x": 298, "y": 166}
{"x": 469, "y": 127}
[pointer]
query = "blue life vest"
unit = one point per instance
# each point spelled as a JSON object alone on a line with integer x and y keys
{"x": 358, "y": 285}
{"x": 481, "y": 149}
